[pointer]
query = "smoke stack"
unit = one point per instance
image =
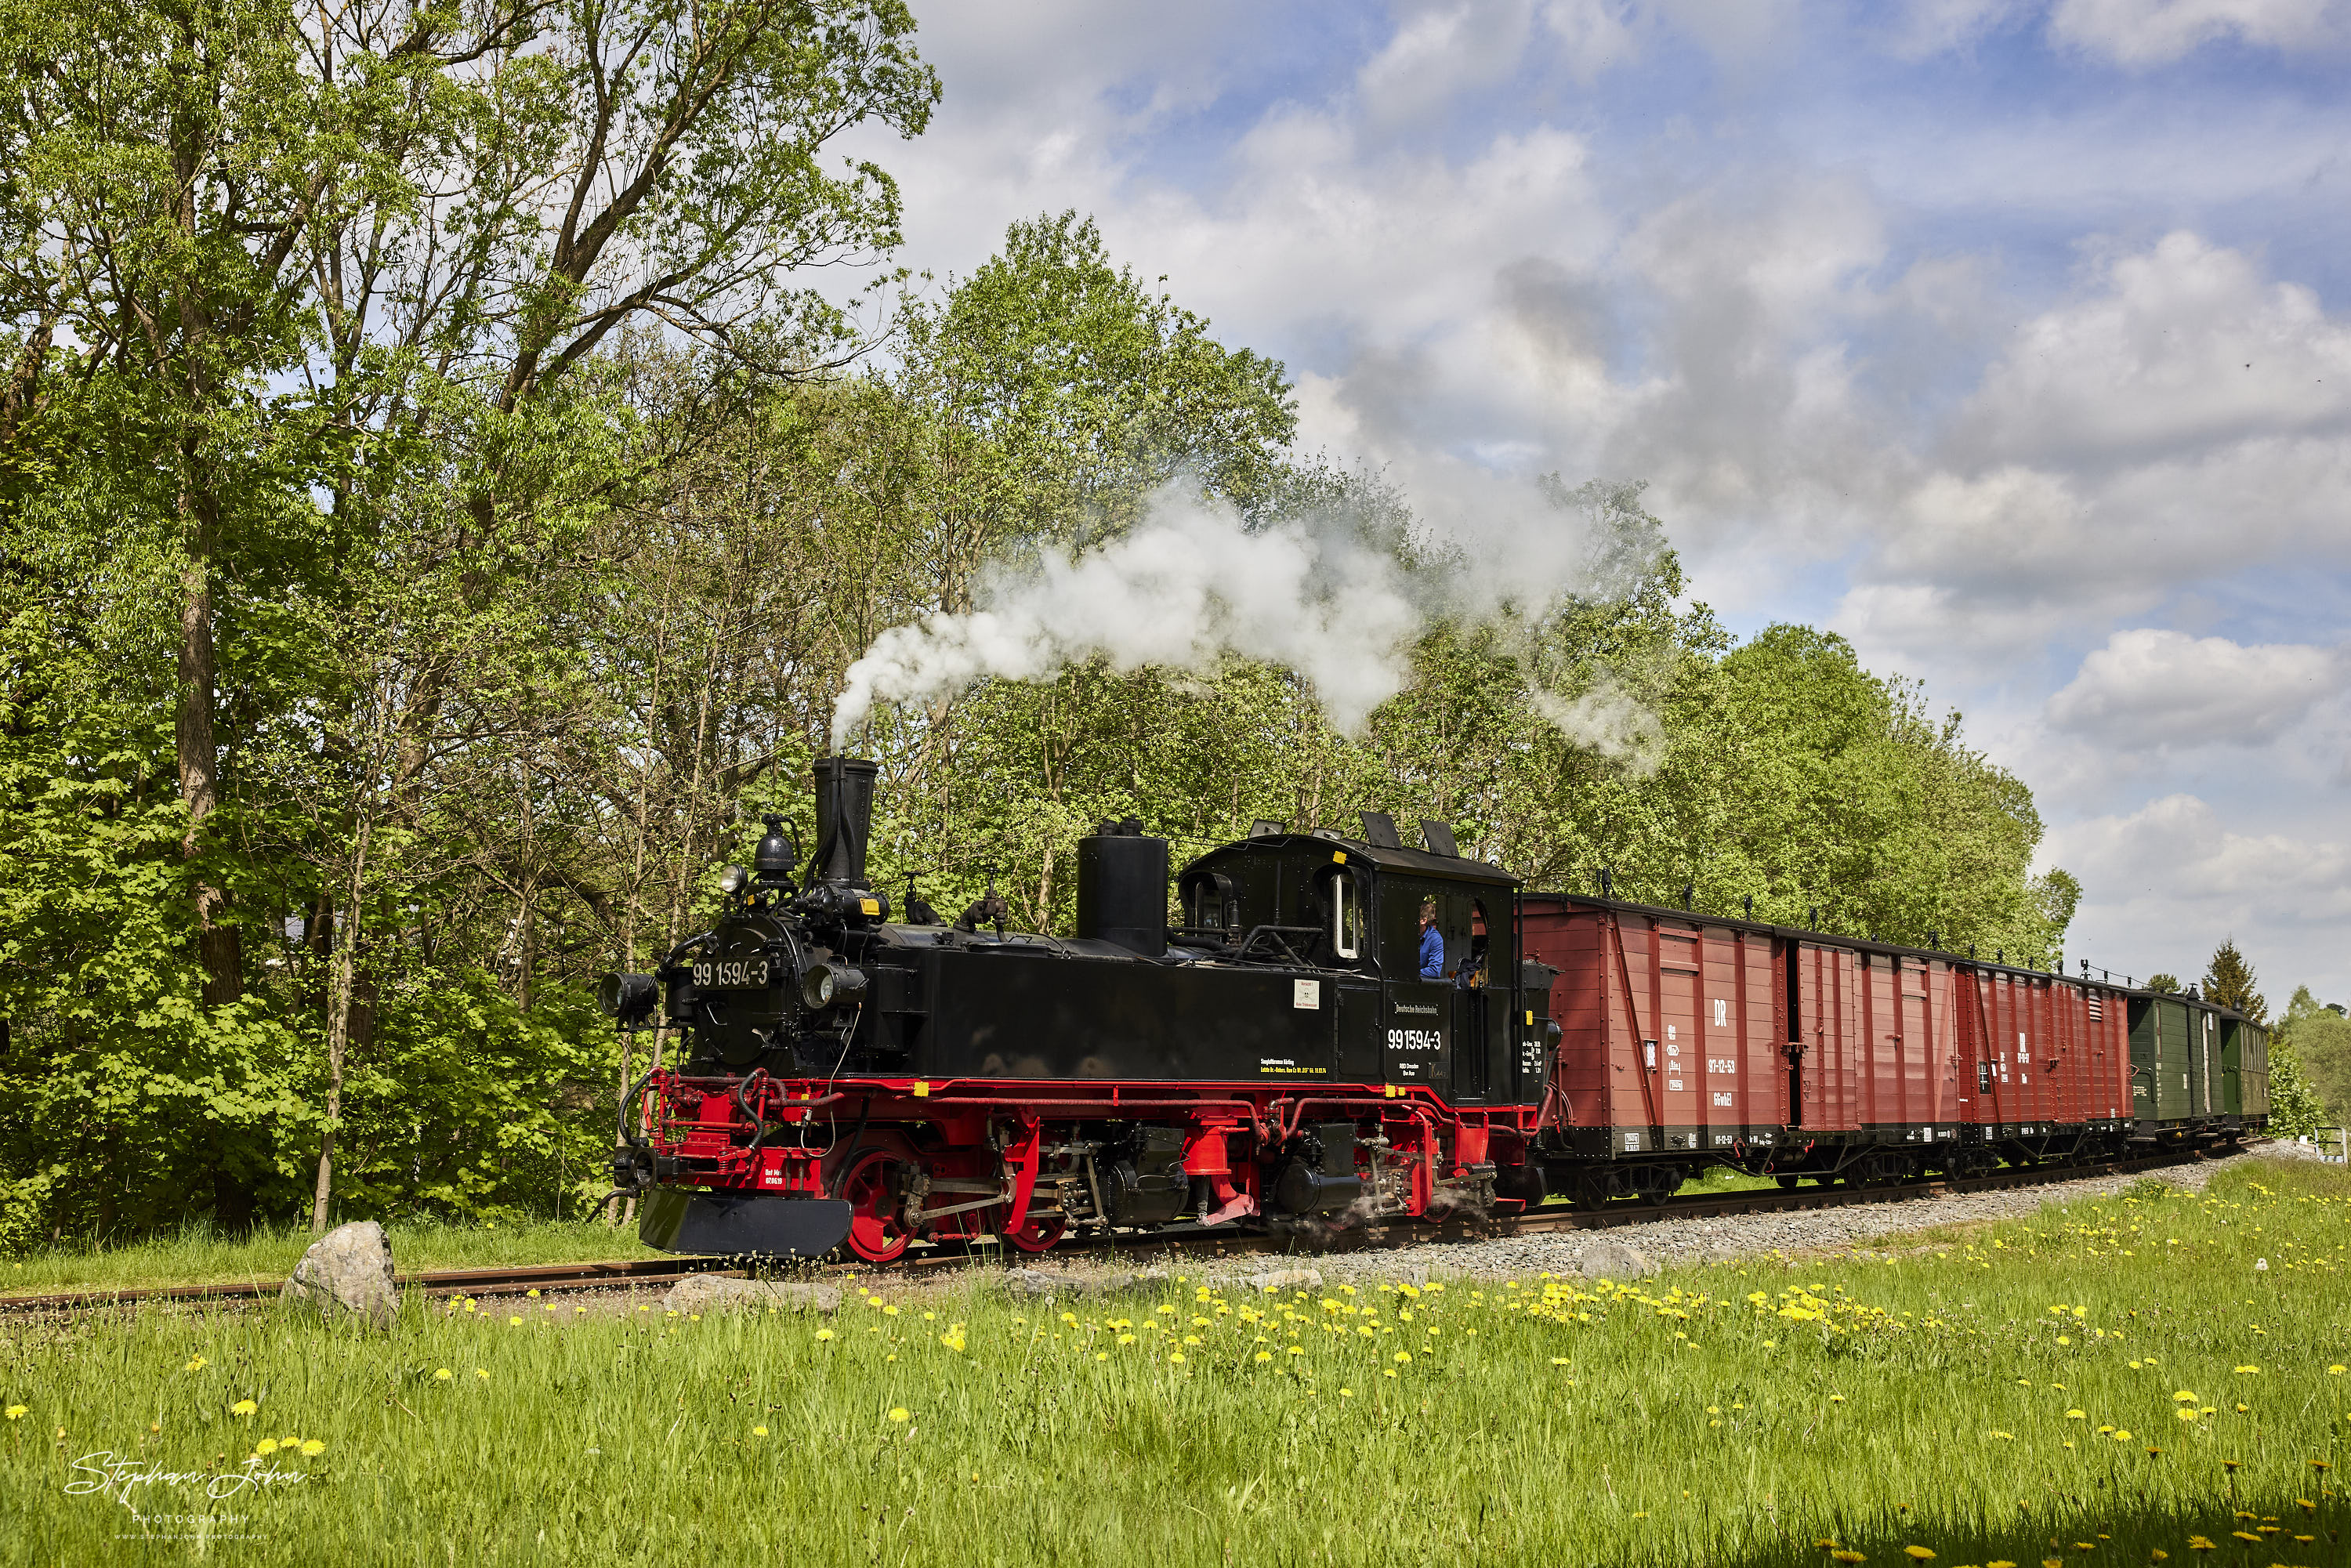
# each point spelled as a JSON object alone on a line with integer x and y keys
{"x": 844, "y": 819}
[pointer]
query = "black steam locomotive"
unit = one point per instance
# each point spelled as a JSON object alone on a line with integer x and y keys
{"x": 1333, "y": 1030}
{"x": 1279, "y": 1054}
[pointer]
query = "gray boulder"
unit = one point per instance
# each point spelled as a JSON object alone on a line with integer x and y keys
{"x": 1614, "y": 1260}
{"x": 348, "y": 1271}
{"x": 1043, "y": 1284}
{"x": 1285, "y": 1279}
{"x": 723, "y": 1293}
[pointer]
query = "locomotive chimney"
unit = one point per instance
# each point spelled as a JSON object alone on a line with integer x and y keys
{"x": 844, "y": 818}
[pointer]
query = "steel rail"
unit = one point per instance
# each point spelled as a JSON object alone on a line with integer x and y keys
{"x": 1184, "y": 1242}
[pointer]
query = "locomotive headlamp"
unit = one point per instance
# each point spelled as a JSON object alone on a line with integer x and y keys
{"x": 628, "y": 998}
{"x": 732, "y": 881}
{"x": 823, "y": 983}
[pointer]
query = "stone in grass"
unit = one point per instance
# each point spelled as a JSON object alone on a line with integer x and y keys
{"x": 1045, "y": 1285}
{"x": 348, "y": 1271}
{"x": 1614, "y": 1260}
{"x": 723, "y": 1293}
{"x": 1285, "y": 1279}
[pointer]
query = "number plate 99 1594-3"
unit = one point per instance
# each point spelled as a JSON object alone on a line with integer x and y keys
{"x": 732, "y": 975}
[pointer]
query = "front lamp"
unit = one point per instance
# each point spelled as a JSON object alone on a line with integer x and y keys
{"x": 823, "y": 983}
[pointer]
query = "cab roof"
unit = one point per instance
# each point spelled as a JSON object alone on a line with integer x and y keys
{"x": 1323, "y": 843}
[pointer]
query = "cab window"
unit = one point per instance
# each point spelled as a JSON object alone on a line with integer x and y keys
{"x": 1342, "y": 914}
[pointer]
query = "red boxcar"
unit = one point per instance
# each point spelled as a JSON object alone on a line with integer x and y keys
{"x": 2016, "y": 1053}
{"x": 1670, "y": 1035}
{"x": 1874, "y": 1035}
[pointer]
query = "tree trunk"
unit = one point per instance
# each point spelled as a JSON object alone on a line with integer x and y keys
{"x": 198, "y": 757}
{"x": 339, "y": 1015}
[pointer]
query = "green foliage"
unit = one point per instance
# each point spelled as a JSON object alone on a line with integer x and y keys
{"x": 2317, "y": 1041}
{"x": 2229, "y": 983}
{"x": 2164, "y": 984}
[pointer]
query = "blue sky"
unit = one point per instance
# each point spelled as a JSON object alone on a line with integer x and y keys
{"x": 2010, "y": 339}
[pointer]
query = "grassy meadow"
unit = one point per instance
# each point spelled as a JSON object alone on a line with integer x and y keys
{"x": 2115, "y": 1382}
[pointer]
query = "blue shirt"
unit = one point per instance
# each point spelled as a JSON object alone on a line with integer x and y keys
{"x": 1432, "y": 953}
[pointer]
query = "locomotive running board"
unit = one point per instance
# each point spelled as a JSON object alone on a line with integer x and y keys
{"x": 727, "y": 1224}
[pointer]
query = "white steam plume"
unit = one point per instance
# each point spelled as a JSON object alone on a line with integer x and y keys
{"x": 1609, "y": 720}
{"x": 1192, "y": 584}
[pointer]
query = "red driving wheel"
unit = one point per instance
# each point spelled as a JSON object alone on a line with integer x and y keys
{"x": 1039, "y": 1231}
{"x": 877, "y": 1233}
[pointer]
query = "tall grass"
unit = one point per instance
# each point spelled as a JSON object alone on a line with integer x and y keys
{"x": 199, "y": 1255}
{"x": 1730, "y": 1414}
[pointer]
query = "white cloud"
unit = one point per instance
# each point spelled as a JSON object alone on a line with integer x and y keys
{"x": 1924, "y": 27}
{"x": 2167, "y": 883}
{"x": 2149, "y": 687}
{"x": 1592, "y": 35}
{"x": 1438, "y": 54}
{"x": 2156, "y": 32}
{"x": 2180, "y": 348}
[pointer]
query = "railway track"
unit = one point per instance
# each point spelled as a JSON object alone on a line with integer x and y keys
{"x": 1183, "y": 1244}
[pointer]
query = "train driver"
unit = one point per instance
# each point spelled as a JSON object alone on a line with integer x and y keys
{"x": 1432, "y": 942}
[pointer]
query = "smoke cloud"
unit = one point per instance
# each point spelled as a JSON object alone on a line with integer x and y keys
{"x": 1192, "y": 584}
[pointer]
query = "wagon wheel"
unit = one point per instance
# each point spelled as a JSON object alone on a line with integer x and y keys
{"x": 1588, "y": 1196}
{"x": 1788, "y": 1183}
{"x": 877, "y": 1233}
{"x": 1038, "y": 1232}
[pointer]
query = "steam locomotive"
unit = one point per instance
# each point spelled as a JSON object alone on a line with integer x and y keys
{"x": 1337, "y": 1029}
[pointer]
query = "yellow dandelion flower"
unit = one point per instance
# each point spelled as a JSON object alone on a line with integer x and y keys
{"x": 2123, "y": 1436}
{"x": 1836, "y": 1398}
{"x": 266, "y": 1447}
{"x": 243, "y": 1408}
{"x": 442, "y": 1375}
{"x": 2185, "y": 1414}
{"x": 514, "y": 1322}
{"x": 2336, "y": 1371}
{"x": 758, "y": 1431}
{"x": 1844, "y": 1556}
{"x": 899, "y": 1413}
{"x": 18, "y": 1412}
{"x": 1175, "y": 1358}
{"x": 1402, "y": 1356}
{"x": 312, "y": 1447}
{"x": 824, "y": 1334}
{"x": 2075, "y": 1416}
{"x": 1922, "y": 1554}
{"x": 1265, "y": 1356}
{"x": 889, "y": 1312}
{"x": 2246, "y": 1369}
{"x": 482, "y": 1372}
{"x": 195, "y": 1364}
